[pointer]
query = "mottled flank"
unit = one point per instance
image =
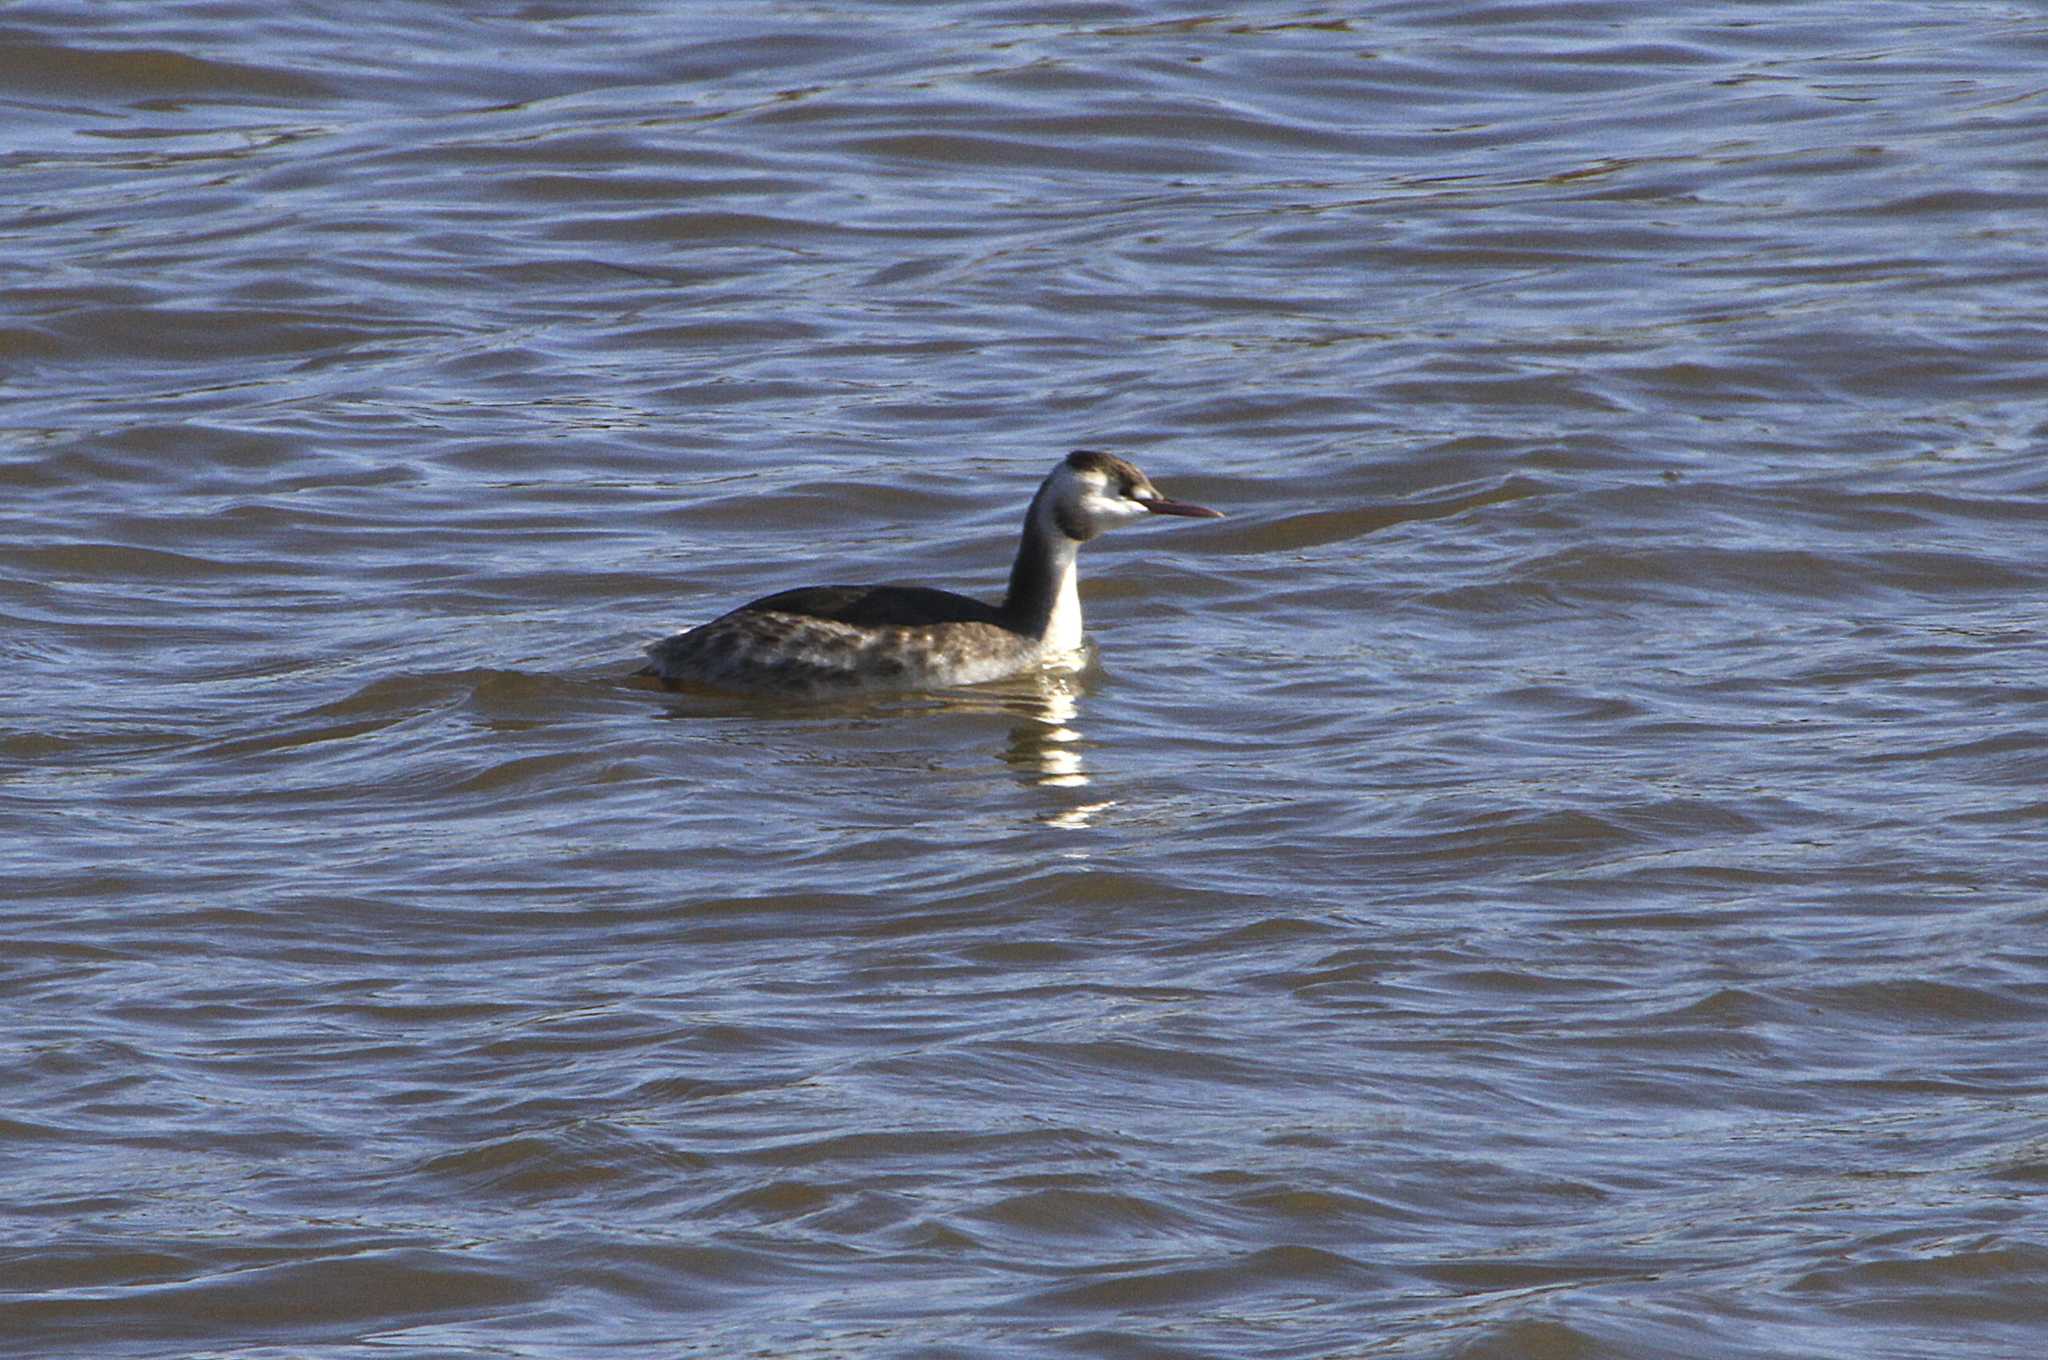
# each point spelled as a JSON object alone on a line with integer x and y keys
{"x": 772, "y": 651}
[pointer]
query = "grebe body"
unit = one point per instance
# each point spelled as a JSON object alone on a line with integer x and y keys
{"x": 844, "y": 639}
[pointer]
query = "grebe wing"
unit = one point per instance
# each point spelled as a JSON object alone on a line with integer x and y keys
{"x": 877, "y": 606}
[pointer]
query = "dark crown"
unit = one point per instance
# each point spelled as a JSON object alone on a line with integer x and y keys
{"x": 1109, "y": 465}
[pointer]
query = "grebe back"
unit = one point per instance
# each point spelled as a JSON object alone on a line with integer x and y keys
{"x": 842, "y": 639}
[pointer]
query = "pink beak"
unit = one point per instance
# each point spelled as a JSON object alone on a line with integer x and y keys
{"x": 1161, "y": 506}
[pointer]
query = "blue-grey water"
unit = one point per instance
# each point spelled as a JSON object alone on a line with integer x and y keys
{"x": 1558, "y": 873}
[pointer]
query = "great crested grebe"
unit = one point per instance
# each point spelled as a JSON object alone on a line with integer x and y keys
{"x": 841, "y": 639}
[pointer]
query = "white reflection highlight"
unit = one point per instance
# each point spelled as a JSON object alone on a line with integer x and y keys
{"x": 1049, "y": 746}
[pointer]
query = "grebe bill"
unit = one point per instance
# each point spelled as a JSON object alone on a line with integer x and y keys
{"x": 842, "y": 639}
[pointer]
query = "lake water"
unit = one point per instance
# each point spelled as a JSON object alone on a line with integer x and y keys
{"x": 1559, "y": 872}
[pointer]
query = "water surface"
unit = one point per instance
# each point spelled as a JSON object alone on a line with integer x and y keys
{"x": 1556, "y": 873}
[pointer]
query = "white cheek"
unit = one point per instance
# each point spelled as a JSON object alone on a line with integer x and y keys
{"x": 1113, "y": 509}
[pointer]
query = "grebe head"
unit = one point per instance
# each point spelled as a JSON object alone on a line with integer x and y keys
{"x": 1092, "y": 492}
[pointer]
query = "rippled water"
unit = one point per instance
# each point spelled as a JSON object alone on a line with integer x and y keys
{"x": 1557, "y": 873}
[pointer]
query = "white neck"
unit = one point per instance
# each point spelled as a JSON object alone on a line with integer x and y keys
{"x": 1063, "y": 633}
